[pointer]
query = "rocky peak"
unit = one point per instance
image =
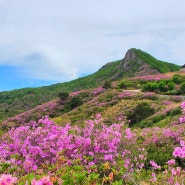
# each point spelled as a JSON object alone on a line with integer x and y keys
{"x": 133, "y": 65}
{"x": 129, "y": 56}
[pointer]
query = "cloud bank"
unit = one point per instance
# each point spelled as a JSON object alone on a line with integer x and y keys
{"x": 61, "y": 40}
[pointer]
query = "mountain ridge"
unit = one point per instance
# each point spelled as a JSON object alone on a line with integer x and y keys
{"x": 135, "y": 63}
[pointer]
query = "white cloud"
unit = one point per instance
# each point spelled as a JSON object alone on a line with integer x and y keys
{"x": 69, "y": 38}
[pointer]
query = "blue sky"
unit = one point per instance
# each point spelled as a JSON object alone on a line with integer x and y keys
{"x": 44, "y": 42}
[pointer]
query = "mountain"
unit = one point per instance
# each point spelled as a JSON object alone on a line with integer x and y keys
{"x": 140, "y": 63}
{"x": 122, "y": 131}
{"x": 135, "y": 63}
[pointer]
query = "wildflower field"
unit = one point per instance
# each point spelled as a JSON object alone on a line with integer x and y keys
{"x": 44, "y": 153}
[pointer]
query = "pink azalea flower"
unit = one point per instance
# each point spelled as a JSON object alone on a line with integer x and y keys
{"x": 7, "y": 179}
{"x": 42, "y": 181}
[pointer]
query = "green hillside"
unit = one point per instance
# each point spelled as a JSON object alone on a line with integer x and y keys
{"x": 21, "y": 100}
{"x": 161, "y": 66}
{"x": 18, "y": 101}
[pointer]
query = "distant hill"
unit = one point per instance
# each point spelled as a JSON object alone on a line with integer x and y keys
{"x": 135, "y": 63}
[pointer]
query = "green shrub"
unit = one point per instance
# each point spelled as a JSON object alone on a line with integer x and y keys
{"x": 124, "y": 84}
{"x": 175, "y": 111}
{"x": 150, "y": 86}
{"x": 4, "y": 167}
{"x": 63, "y": 95}
{"x": 73, "y": 103}
{"x": 171, "y": 86}
{"x": 145, "y": 124}
{"x": 160, "y": 154}
{"x": 182, "y": 88}
{"x": 107, "y": 84}
{"x": 162, "y": 86}
{"x": 108, "y": 97}
{"x": 140, "y": 112}
{"x": 158, "y": 118}
{"x": 178, "y": 79}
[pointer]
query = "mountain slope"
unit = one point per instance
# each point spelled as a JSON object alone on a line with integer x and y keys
{"x": 135, "y": 63}
{"x": 139, "y": 63}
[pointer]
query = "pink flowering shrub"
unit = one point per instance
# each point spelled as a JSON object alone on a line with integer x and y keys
{"x": 157, "y": 77}
{"x": 149, "y": 95}
{"x": 42, "y": 181}
{"x": 75, "y": 93}
{"x": 49, "y": 108}
{"x": 126, "y": 95}
{"x": 180, "y": 151}
{"x": 93, "y": 154}
{"x": 98, "y": 90}
{"x": 154, "y": 165}
{"x": 44, "y": 142}
{"x": 7, "y": 179}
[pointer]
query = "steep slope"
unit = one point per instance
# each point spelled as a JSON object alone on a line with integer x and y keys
{"x": 135, "y": 63}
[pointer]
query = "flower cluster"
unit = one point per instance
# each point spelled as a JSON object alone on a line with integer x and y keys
{"x": 125, "y": 94}
{"x": 155, "y": 165}
{"x": 67, "y": 154}
{"x": 157, "y": 77}
{"x": 98, "y": 90}
{"x": 44, "y": 142}
{"x": 43, "y": 181}
{"x": 7, "y": 179}
{"x": 180, "y": 151}
{"x": 75, "y": 93}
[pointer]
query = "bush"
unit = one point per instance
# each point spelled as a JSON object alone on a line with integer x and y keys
{"x": 63, "y": 95}
{"x": 158, "y": 118}
{"x": 124, "y": 84}
{"x": 107, "y": 85}
{"x": 108, "y": 97}
{"x": 141, "y": 111}
{"x": 182, "y": 88}
{"x": 73, "y": 103}
{"x": 151, "y": 86}
{"x": 159, "y": 154}
{"x": 175, "y": 111}
{"x": 162, "y": 86}
{"x": 177, "y": 79}
{"x": 146, "y": 123}
{"x": 171, "y": 85}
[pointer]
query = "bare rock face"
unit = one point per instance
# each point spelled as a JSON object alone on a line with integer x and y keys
{"x": 129, "y": 56}
{"x": 134, "y": 66}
